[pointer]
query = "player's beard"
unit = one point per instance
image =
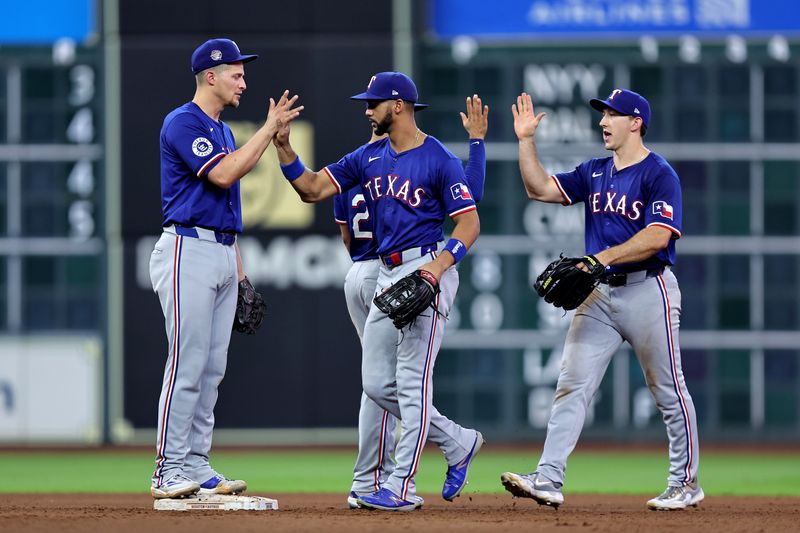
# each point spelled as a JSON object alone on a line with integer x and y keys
{"x": 383, "y": 126}
{"x": 233, "y": 102}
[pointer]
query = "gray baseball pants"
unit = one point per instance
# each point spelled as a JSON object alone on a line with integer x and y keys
{"x": 397, "y": 375}
{"x": 195, "y": 279}
{"x": 646, "y": 313}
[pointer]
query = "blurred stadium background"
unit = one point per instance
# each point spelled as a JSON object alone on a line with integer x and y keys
{"x": 85, "y": 84}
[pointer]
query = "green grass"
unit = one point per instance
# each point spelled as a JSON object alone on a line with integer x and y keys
{"x": 610, "y": 472}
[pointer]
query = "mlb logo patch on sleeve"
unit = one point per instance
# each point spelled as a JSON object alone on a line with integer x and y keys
{"x": 459, "y": 190}
{"x": 662, "y": 208}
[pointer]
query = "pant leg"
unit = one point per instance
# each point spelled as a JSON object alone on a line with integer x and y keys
{"x": 650, "y": 323}
{"x": 200, "y": 436}
{"x": 590, "y": 344}
{"x": 182, "y": 271}
{"x": 376, "y": 426}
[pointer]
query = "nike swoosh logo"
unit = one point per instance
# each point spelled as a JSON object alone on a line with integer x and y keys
{"x": 596, "y": 174}
{"x": 371, "y": 159}
{"x": 476, "y": 142}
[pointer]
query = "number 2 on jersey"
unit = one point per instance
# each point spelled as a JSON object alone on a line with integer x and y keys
{"x": 359, "y": 233}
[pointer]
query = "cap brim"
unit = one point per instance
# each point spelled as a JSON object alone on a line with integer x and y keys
{"x": 367, "y": 96}
{"x": 600, "y": 105}
{"x": 364, "y": 96}
{"x": 248, "y": 58}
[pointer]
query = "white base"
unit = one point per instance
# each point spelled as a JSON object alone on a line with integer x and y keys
{"x": 216, "y": 502}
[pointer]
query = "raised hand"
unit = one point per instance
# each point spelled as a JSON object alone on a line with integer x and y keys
{"x": 525, "y": 118}
{"x": 476, "y": 119}
{"x": 282, "y": 113}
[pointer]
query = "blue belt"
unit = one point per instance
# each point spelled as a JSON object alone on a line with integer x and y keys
{"x": 398, "y": 258}
{"x": 223, "y": 238}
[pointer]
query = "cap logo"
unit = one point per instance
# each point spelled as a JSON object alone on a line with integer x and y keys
{"x": 216, "y": 55}
{"x": 394, "y": 93}
{"x": 370, "y": 81}
{"x": 636, "y": 110}
{"x": 614, "y": 93}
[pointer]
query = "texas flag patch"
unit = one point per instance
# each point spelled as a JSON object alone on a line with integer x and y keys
{"x": 459, "y": 190}
{"x": 662, "y": 208}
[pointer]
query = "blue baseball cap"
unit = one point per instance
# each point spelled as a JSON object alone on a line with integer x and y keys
{"x": 391, "y": 86}
{"x": 217, "y": 52}
{"x": 625, "y": 102}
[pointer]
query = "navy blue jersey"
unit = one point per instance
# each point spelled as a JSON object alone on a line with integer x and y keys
{"x": 619, "y": 204}
{"x": 408, "y": 194}
{"x": 350, "y": 208}
{"x": 191, "y": 145}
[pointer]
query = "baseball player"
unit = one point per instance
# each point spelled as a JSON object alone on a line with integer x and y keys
{"x": 376, "y": 426}
{"x": 412, "y": 182}
{"x": 195, "y": 265}
{"x": 632, "y": 206}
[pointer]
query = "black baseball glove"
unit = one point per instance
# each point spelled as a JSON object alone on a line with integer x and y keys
{"x": 409, "y": 297}
{"x": 250, "y": 309}
{"x": 565, "y": 285}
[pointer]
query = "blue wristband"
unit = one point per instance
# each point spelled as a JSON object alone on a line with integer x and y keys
{"x": 293, "y": 170}
{"x": 457, "y": 248}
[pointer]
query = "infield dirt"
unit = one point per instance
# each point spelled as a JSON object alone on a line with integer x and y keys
{"x": 133, "y": 513}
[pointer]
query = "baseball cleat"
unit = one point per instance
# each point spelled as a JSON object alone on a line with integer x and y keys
{"x": 545, "y": 492}
{"x": 386, "y": 500}
{"x": 676, "y": 498}
{"x": 417, "y": 500}
{"x": 456, "y": 477}
{"x": 221, "y": 485}
{"x": 352, "y": 500}
{"x": 177, "y": 486}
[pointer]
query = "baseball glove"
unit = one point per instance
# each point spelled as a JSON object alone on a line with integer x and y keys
{"x": 565, "y": 285}
{"x": 250, "y": 309}
{"x": 406, "y": 299}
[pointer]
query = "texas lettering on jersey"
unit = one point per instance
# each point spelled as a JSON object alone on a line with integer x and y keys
{"x": 616, "y": 203}
{"x": 395, "y": 187}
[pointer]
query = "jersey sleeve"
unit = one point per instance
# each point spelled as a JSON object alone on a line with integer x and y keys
{"x": 572, "y": 184}
{"x": 346, "y": 173}
{"x": 340, "y": 208}
{"x": 664, "y": 202}
{"x": 476, "y": 168}
{"x": 455, "y": 191}
{"x": 188, "y": 138}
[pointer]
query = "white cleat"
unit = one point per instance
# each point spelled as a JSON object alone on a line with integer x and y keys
{"x": 543, "y": 491}
{"x": 676, "y": 498}
{"x": 178, "y": 486}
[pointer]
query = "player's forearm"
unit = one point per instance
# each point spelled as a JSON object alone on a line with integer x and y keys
{"x": 537, "y": 181}
{"x": 310, "y": 186}
{"x": 641, "y": 246}
{"x": 476, "y": 168}
{"x": 467, "y": 228}
{"x": 237, "y": 164}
